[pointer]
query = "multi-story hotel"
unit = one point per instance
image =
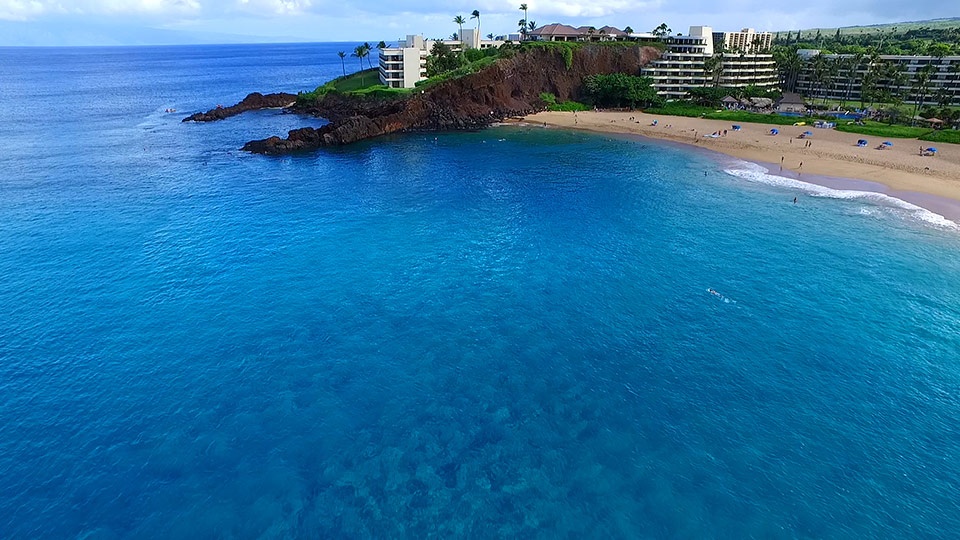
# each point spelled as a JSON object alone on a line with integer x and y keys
{"x": 747, "y": 40}
{"x": 405, "y": 65}
{"x": 847, "y": 75}
{"x": 742, "y": 60}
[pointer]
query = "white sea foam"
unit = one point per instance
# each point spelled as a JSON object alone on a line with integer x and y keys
{"x": 753, "y": 172}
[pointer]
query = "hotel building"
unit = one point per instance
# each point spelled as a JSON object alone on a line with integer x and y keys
{"x": 846, "y": 81}
{"x": 743, "y": 60}
{"x": 405, "y": 65}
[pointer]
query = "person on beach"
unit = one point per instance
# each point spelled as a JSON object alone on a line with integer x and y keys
{"x": 794, "y": 200}
{"x": 781, "y": 163}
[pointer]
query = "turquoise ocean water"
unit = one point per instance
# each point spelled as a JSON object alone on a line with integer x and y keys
{"x": 505, "y": 333}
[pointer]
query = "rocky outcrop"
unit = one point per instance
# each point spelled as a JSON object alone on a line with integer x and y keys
{"x": 252, "y": 102}
{"x": 510, "y": 87}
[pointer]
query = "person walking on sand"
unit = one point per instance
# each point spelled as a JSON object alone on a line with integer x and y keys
{"x": 781, "y": 163}
{"x": 798, "y": 168}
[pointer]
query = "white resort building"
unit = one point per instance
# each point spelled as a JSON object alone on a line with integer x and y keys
{"x": 742, "y": 59}
{"x": 841, "y": 76}
{"x": 405, "y": 65}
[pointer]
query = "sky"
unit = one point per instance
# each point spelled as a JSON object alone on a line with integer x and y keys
{"x": 143, "y": 22}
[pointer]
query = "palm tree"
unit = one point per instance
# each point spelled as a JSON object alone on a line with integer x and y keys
{"x": 343, "y": 67}
{"x": 532, "y": 25}
{"x": 922, "y": 86}
{"x": 523, "y": 29}
{"x": 359, "y": 52}
{"x": 628, "y": 30}
{"x": 662, "y": 30}
{"x": 522, "y": 23}
{"x": 955, "y": 71}
{"x": 476, "y": 15}
{"x": 709, "y": 68}
{"x": 490, "y": 36}
{"x": 854, "y": 65}
{"x": 459, "y": 20}
{"x": 366, "y": 52}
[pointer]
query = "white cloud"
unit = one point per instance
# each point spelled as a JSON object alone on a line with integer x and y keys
{"x": 336, "y": 20}
{"x": 20, "y": 10}
{"x": 274, "y": 7}
{"x": 32, "y": 9}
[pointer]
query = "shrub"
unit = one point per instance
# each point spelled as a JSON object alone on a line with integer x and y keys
{"x": 568, "y": 106}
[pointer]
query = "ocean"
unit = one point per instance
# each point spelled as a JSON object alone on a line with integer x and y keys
{"x": 512, "y": 333}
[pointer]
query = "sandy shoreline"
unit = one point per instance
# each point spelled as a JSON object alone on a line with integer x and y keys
{"x": 833, "y": 159}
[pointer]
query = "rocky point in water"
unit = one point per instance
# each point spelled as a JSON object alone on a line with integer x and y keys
{"x": 510, "y": 87}
{"x": 252, "y": 102}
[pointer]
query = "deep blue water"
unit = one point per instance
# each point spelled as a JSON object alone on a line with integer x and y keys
{"x": 496, "y": 334}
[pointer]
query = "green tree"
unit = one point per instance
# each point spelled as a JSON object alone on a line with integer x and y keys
{"x": 922, "y": 88}
{"x": 619, "y": 89}
{"x": 442, "y": 59}
{"x": 628, "y": 30}
{"x": 661, "y": 31}
{"x": 523, "y": 27}
{"x": 459, "y": 20}
{"x": 710, "y": 66}
{"x": 789, "y": 65}
{"x": 343, "y": 66}
{"x": 366, "y": 53}
{"x": 475, "y": 14}
{"x": 359, "y": 52}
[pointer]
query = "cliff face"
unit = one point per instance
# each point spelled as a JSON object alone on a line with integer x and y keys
{"x": 510, "y": 87}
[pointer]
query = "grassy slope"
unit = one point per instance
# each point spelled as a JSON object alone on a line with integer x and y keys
{"x": 901, "y": 27}
{"x": 870, "y": 128}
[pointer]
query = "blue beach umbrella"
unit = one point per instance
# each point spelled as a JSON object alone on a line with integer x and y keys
{"x": 774, "y": 131}
{"x": 931, "y": 149}
{"x": 862, "y": 141}
{"x": 808, "y": 133}
{"x": 887, "y": 143}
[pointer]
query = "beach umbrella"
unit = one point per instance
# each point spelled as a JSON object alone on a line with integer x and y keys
{"x": 862, "y": 141}
{"x": 774, "y": 131}
{"x": 887, "y": 143}
{"x": 931, "y": 149}
{"x": 808, "y": 133}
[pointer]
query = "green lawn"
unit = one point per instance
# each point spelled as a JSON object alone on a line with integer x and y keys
{"x": 870, "y": 128}
{"x": 879, "y": 129}
{"x": 360, "y": 83}
{"x": 696, "y": 111}
{"x": 951, "y": 136}
{"x": 357, "y": 81}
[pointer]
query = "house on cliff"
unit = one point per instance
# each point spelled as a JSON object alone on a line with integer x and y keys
{"x": 405, "y": 65}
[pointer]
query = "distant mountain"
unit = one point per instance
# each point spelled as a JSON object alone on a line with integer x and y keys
{"x": 899, "y": 27}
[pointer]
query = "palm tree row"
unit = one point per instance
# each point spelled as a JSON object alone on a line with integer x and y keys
{"x": 460, "y": 21}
